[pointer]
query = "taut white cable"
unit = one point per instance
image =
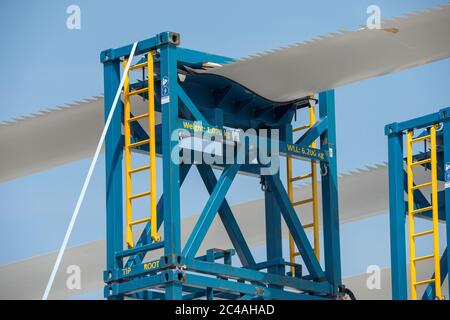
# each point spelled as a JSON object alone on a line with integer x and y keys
{"x": 88, "y": 178}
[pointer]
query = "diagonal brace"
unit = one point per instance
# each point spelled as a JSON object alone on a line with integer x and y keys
{"x": 227, "y": 217}
{"x": 295, "y": 227}
{"x": 207, "y": 216}
{"x": 190, "y": 105}
{"x": 314, "y": 132}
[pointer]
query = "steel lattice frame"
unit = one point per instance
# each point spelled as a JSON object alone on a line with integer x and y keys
{"x": 180, "y": 273}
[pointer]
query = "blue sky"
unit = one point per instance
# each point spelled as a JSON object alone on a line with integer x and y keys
{"x": 44, "y": 65}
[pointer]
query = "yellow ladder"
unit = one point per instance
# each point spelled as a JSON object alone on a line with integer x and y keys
{"x": 433, "y": 208}
{"x": 151, "y": 167}
{"x": 290, "y": 188}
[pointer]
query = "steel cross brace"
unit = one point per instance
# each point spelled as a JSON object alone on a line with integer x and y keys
{"x": 207, "y": 216}
{"x": 314, "y": 132}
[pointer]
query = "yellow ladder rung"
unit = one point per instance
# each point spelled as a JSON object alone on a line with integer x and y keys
{"x": 421, "y": 162}
{"x": 420, "y": 139}
{"x": 309, "y": 225}
{"x": 419, "y": 283}
{"x": 430, "y": 256}
{"x": 131, "y": 93}
{"x": 138, "y": 66}
{"x": 140, "y": 195}
{"x": 301, "y": 128}
{"x": 139, "y": 169}
{"x": 132, "y": 223}
{"x": 305, "y": 176}
{"x": 301, "y": 202}
{"x": 423, "y": 185}
{"x": 296, "y": 254}
{"x": 139, "y": 143}
{"x": 139, "y": 117}
{"x": 423, "y": 233}
{"x": 421, "y": 210}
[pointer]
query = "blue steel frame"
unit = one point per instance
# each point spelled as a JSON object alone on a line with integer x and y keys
{"x": 397, "y": 205}
{"x": 171, "y": 276}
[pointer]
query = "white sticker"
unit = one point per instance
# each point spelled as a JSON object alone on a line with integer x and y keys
{"x": 165, "y": 99}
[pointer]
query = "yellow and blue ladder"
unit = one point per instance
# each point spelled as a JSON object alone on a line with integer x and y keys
{"x": 128, "y": 146}
{"x": 313, "y": 199}
{"x": 412, "y": 212}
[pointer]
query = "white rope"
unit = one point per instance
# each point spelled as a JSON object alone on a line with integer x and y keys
{"x": 88, "y": 178}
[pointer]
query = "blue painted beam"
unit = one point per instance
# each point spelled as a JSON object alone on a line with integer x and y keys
{"x": 171, "y": 170}
{"x": 260, "y": 277}
{"x": 246, "y": 289}
{"x": 143, "y": 46}
{"x": 397, "y": 216}
{"x": 446, "y": 163}
{"x": 191, "y": 106}
{"x": 194, "y": 57}
{"x": 330, "y": 205}
{"x": 274, "y": 245}
{"x": 420, "y": 122}
{"x": 314, "y": 132}
{"x": 207, "y": 216}
{"x": 113, "y": 166}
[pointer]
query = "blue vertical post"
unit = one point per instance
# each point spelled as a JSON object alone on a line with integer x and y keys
{"x": 397, "y": 214}
{"x": 445, "y": 114}
{"x": 330, "y": 206}
{"x": 274, "y": 246}
{"x": 171, "y": 170}
{"x": 113, "y": 159}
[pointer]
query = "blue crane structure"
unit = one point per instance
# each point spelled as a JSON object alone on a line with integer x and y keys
{"x": 184, "y": 99}
{"x": 425, "y": 200}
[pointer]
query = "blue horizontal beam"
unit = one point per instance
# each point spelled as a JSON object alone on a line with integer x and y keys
{"x": 228, "y": 271}
{"x": 142, "y": 46}
{"x": 194, "y": 57}
{"x": 287, "y": 149}
{"x": 417, "y": 123}
{"x": 140, "y": 249}
{"x": 246, "y": 289}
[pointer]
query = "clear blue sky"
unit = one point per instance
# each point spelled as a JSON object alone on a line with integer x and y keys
{"x": 44, "y": 65}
